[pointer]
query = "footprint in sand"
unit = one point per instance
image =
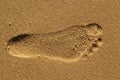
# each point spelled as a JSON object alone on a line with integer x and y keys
{"x": 68, "y": 45}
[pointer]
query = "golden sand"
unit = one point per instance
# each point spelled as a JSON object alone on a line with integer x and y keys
{"x": 22, "y": 60}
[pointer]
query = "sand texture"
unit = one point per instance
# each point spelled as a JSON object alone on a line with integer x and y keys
{"x": 59, "y": 40}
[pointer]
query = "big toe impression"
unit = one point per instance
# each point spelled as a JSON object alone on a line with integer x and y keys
{"x": 94, "y": 29}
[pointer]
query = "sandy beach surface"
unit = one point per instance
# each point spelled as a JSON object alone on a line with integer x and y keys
{"x": 43, "y": 16}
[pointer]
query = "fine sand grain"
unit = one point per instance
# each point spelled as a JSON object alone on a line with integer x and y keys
{"x": 54, "y": 40}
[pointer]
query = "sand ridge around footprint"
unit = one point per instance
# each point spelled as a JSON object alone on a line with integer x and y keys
{"x": 68, "y": 45}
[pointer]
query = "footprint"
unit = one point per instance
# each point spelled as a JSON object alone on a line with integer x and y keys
{"x": 68, "y": 45}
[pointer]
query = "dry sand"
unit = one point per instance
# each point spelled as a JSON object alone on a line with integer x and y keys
{"x": 44, "y": 16}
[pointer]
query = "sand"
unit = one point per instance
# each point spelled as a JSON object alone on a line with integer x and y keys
{"x": 45, "y": 16}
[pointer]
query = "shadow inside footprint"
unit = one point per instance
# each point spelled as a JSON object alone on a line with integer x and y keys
{"x": 17, "y": 38}
{"x": 95, "y": 24}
